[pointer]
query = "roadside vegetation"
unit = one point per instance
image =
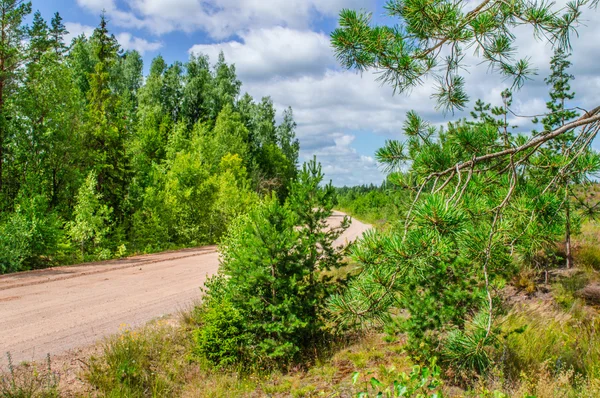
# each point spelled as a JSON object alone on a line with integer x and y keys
{"x": 375, "y": 205}
{"x": 481, "y": 278}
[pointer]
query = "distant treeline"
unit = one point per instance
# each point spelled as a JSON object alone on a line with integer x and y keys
{"x": 376, "y": 204}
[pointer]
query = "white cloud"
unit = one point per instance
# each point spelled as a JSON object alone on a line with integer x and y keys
{"x": 125, "y": 39}
{"x": 76, "y": 29}
{"x": 219, "y": 18}
{"x": 343, "y": 164}
{"x": 266, "y": 53}
{"x": 129, "y": 42}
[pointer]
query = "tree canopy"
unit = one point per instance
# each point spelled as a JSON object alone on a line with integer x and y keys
{"x": 114, "y": 162}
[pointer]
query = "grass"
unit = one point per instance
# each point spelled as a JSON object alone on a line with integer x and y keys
{"x": 547, "y": 352}
{"x": 157, "y": 361}
{"x": 550, "y": 347}
{"x": 28, "y": 381}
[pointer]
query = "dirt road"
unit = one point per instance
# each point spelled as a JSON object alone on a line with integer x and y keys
{"x": 59, "y": 309}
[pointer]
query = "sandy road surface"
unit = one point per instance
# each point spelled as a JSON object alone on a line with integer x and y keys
{"x": 59, "y": 309}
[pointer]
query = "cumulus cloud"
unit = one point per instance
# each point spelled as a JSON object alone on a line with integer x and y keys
{"x": 130, "y": 42}
{"x": 219, "y": 18}
{"x": 266, "y": 53}
{"x": 76, "y": 29}
{"x": 343, "y": 164}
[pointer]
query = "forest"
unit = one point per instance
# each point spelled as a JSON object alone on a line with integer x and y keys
{"x": 479, "y": 278}
{"x": 98, "y": 161}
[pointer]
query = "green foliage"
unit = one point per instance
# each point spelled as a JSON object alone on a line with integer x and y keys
{"x": 471, "y": 350}
{"x": 29, "y": 232}
{"x": 273, "y": 262}
{"x": 431, "y": 38}
{"x": 91, "y": 223}
{"x": 221, "y": 338}
{"x": 421, "y": 382}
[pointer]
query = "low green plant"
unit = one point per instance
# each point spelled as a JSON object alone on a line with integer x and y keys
{"x": 220, "y": 339}
{"x": 588, "y": 255}
{"x": 421, "y": 382}
{"x": 470, "y": 351}
{"x": 28, "y": 381}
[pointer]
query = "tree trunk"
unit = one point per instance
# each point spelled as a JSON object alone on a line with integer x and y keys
{"x": 568, "y": 234}
{"x": 2, "y": 77}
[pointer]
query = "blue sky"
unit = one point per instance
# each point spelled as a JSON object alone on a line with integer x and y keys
{"x": 281, "y": 49}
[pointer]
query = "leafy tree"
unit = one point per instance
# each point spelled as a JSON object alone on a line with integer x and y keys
{"x": 226, "y": 86}
{"x": 48, "y": 133}
{"x": 12, "y": 56}
{"x": 273, "y": 277}
{"x": 32, "y": 230}
{"x": 198, "y": 91}
{"x": 91, "y": 223}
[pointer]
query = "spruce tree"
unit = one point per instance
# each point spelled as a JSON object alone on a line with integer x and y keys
{"x": 105, "y": 122}
{"x": 58, "y": 31}
{"x": 39, "y": 38}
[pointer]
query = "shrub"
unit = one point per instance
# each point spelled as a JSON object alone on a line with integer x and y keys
{"x": 269, "y": 301}
{"x": 221, "y": 337}
{"x": 26, "y": 234}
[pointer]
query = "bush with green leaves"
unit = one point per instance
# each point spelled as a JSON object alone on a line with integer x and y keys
{"x": 92, "y": 218}
{"x": 421, "y": 382}
{"x": 28, "y": 233}
{"x": 267, "y": 305}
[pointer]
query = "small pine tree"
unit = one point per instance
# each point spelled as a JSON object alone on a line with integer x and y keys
{"x": 559, "y": 115}
{"x": 273, "y": 276}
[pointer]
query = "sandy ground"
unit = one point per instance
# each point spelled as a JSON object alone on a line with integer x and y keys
{"x": 66, "y": 309}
